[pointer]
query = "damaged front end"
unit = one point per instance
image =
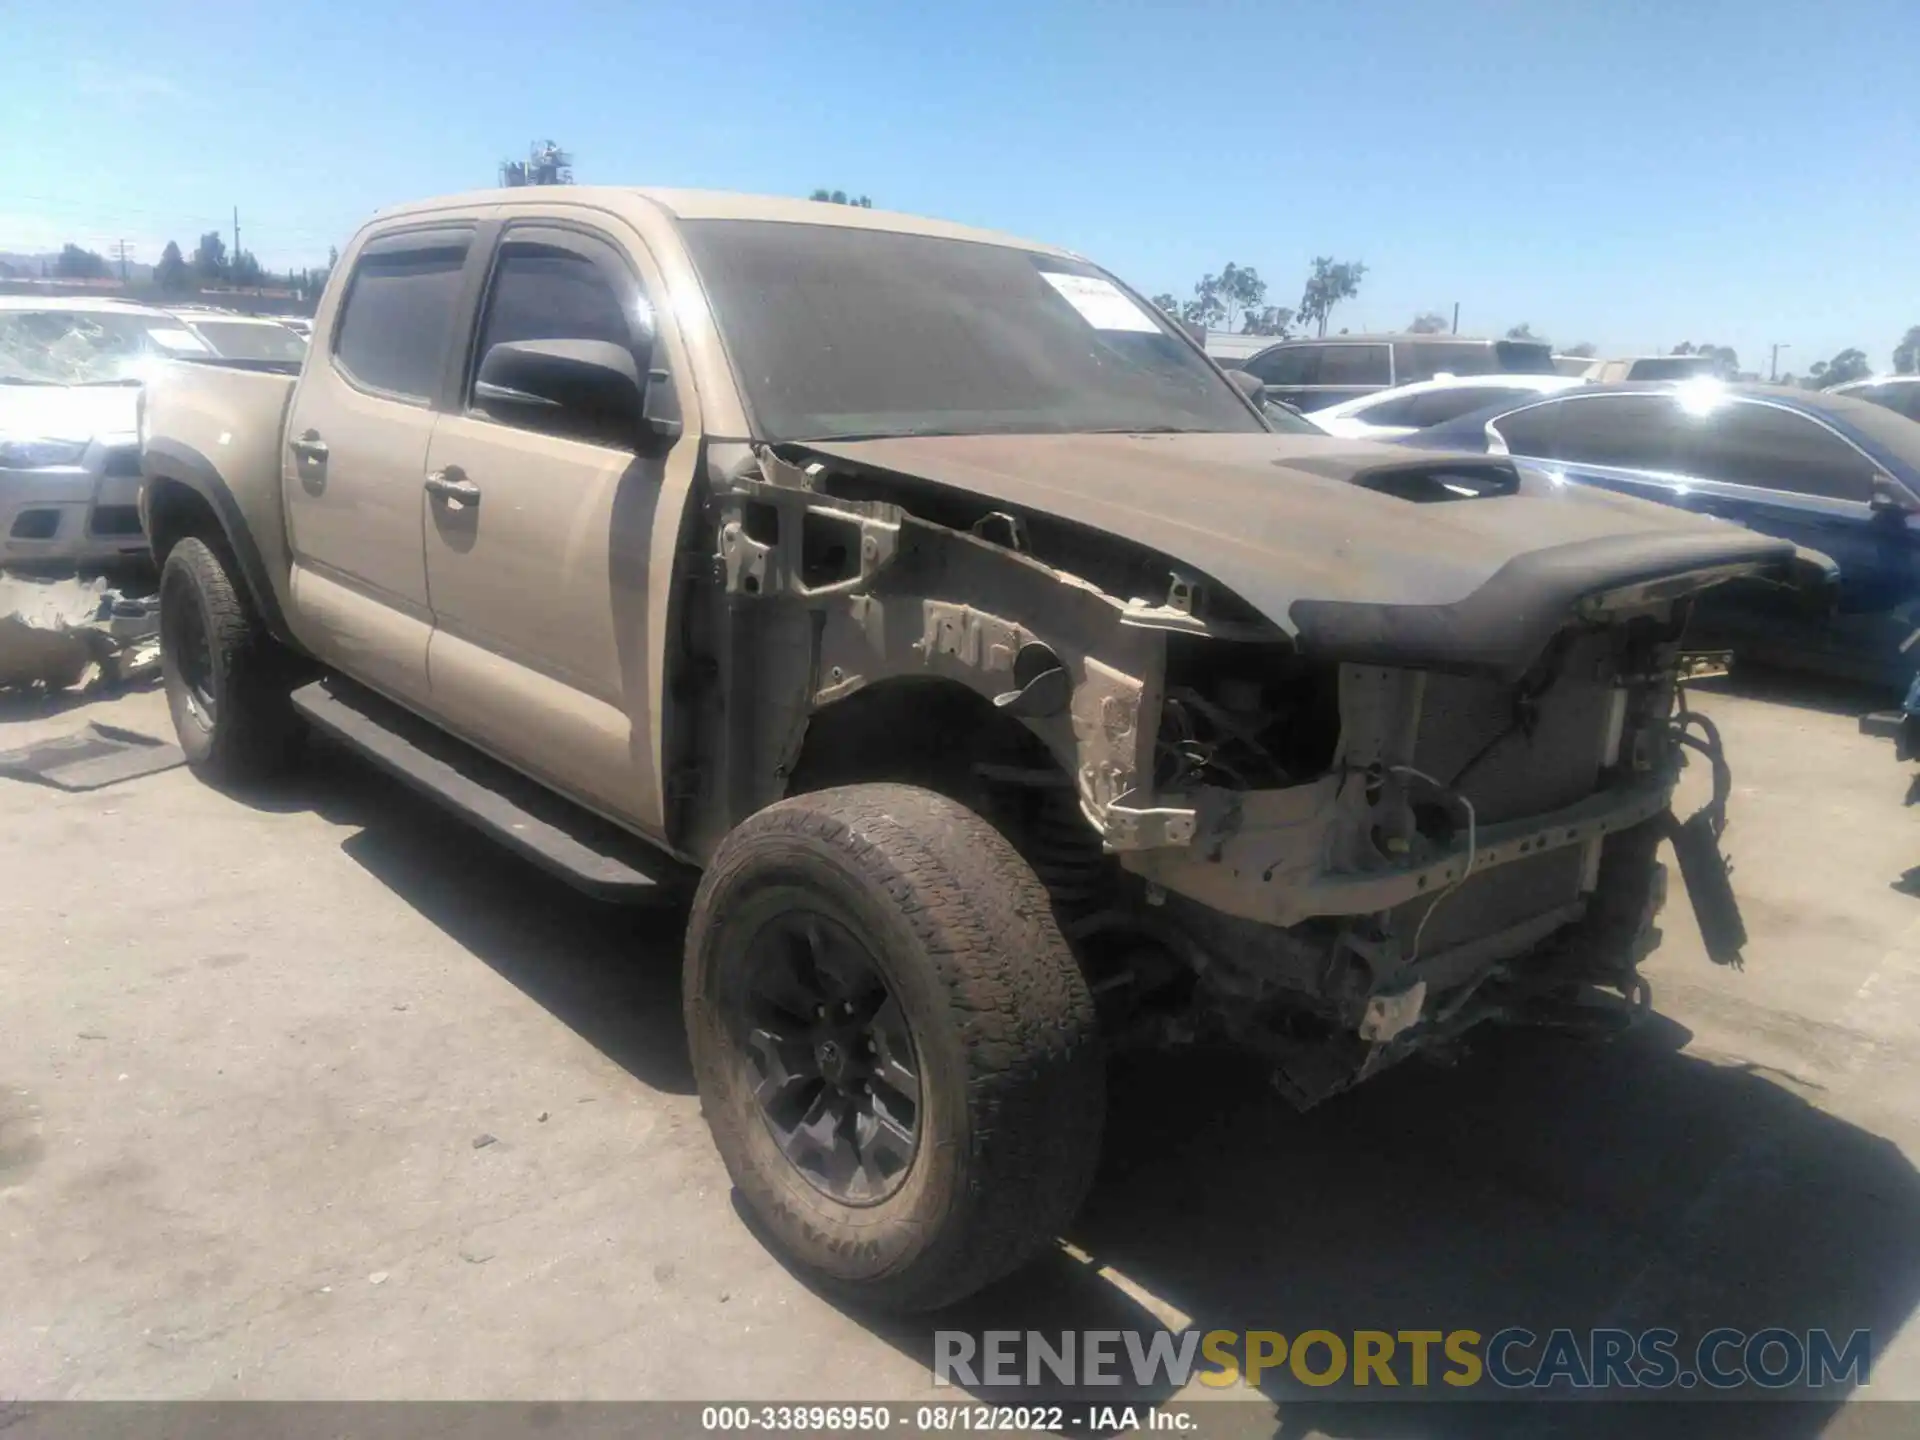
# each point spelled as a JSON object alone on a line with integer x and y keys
{"x": 1337, "y": 837}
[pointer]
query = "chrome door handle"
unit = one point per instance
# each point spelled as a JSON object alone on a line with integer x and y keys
{"x": 452, "y": 485}
{"x": 309, "y": 446}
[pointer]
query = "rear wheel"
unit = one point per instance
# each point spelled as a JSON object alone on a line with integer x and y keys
{"x": 895, "y": 1049}
{"x": 226, "y": 679}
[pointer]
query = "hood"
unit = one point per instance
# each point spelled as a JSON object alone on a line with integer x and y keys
{"x": 68, "y": 412}
{"x": 1321, "y": 535}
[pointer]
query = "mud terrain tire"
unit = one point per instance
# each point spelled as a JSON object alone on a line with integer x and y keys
{"x": 227, "y": 680}
{"x": 1011, "y": 1087}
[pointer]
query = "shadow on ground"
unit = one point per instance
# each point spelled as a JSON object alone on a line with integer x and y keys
{"x": 611, "y": 973}
{"x": 1539, "y": 1183}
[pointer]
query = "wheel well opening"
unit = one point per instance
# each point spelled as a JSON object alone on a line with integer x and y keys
{"x": 945, "y": 737}
{"x": 930, "y": 732}
{"x": 175, "y": 511}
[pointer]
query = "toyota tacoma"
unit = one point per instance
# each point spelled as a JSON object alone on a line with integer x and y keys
{"x": 1002, "y": 684}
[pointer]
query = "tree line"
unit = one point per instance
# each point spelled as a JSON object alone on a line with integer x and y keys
{"x": 1236, "y": 299}
{"x": 208, "y": 265}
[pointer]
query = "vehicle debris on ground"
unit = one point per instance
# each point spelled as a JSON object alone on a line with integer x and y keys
{"x": 72, "y": 634}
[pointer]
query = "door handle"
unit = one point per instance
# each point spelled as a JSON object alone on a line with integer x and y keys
{"x": 309, "y": 446}
{"x": 452, "y": 486}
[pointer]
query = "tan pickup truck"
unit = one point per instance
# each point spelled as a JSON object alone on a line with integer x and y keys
{"x": 1009, "y": 688}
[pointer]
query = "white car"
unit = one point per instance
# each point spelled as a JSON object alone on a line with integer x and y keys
{"x": 243, "y": 337}
{"x": 1389, "y": 414}
{"x": 70, "y": 377}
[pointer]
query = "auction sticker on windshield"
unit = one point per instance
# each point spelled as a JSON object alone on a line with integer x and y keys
{"x": 1101, "y": 303}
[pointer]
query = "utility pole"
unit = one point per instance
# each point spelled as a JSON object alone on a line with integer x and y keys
{"x": 236, "y": 235}
{"x": 121, "y": 250}
{"x": 1456, "y": 317}
{"x": 1773, "y": 365}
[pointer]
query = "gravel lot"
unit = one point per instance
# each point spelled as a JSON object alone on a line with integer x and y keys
{"x": 322, "y": 1096}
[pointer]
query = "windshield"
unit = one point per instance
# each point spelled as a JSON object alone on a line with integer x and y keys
{"x": 239, "y": 340}
{"x": 843, "y": 333}
{"x": 85, "y": 347}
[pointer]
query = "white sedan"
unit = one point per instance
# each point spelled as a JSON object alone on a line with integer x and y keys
{"x": 1388, "y": 414}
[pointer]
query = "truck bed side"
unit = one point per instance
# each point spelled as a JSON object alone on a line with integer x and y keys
{"x": 211, "y": 439}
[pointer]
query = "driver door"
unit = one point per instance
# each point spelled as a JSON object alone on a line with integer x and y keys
{"x": 537, "y": 543}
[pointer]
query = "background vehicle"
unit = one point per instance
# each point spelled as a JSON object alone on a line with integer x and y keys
{"x": 1831, "y": 473}
{"x": 70, "y": 373}
{"x": 1576, "y": 366}
{"x": 243, "y": 337}
{"x": 1313, "y": 374}
{"x": 1899, "y": 393}
{"x": 1013, "y": 686}
{"x": 1392, "y": 413}
{"x": 1654, "y": 367}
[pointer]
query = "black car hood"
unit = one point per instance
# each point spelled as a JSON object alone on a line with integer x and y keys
{"x": 1316, "y": 534}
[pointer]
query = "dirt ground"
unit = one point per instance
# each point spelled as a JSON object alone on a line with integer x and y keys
{"x": 321, "y": 1095}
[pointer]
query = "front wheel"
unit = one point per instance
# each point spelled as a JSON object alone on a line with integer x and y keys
{"x": 895, "y": 1049}
{"x": 226, "y": 679}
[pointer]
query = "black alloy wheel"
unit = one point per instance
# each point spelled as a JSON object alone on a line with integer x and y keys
{"x": 829, "y": 1056}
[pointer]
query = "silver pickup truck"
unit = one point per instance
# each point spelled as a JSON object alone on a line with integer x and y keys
{"x": 1000, "y": 683}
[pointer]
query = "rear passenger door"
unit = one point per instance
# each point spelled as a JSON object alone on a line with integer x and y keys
{"x": 357, "y": 434}
{"x": 538, "y": 580}
{"x": 1786, "y": 474}
{"x": 1348, "y": 370}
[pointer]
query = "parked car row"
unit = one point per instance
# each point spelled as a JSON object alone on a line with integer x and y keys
{"x": 1834, "y": 474}
{"x": 70, "y": 376}
{"x": 1407, "y": 409}
{"x": 1311, "y": 375}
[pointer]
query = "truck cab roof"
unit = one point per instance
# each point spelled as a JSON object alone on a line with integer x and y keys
{"x": 719, "y": 205}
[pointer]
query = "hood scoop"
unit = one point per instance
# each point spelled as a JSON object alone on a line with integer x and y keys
{"x": 1441, "y": 481}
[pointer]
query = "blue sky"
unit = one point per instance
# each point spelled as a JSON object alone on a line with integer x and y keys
{"x": 1630, "y": 172}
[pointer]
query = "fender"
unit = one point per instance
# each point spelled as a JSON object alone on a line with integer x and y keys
{"x": 164, "y": 459}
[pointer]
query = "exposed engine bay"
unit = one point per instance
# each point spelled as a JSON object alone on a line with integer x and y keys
{"x": 1281, "y": 827}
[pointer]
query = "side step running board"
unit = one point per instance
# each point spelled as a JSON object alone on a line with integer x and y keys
{"x": 588, "y": 853}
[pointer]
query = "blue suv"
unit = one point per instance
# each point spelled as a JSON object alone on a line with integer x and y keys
{"x": 1834, "y": 475}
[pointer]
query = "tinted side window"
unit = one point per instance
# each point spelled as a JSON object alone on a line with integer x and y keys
{"x": 1749, "y": 444}
{"x": 543, "y": 292}
{"x": 1423, "y": 360}
{"x": 1632, "y": 432}
{"x": 1533, "y": 431}
{"x": 1296, "y": 366}
{"x": 1355, "y": 365}
{"x": 540, "y": 293}
{"x": 1436, "y": 407}
{"x": 1901, "y": 399}
{"x": 397, "y": 318}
